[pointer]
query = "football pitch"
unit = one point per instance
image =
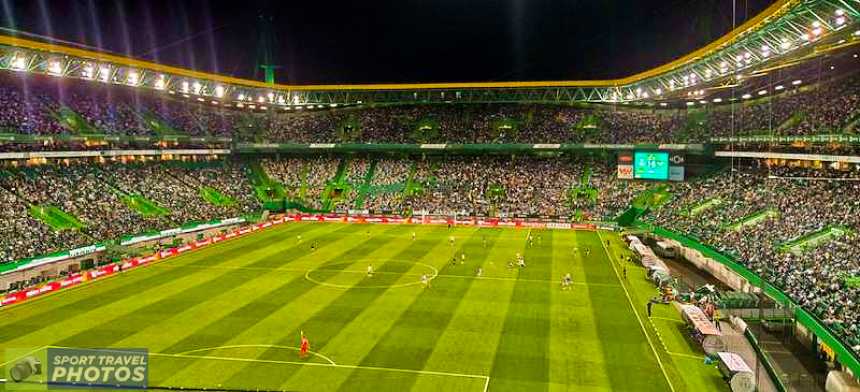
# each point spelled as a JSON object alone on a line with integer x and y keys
{"x": 229, "y": 316}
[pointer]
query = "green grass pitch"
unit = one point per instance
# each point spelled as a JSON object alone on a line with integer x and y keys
{"x": 229, "y": 316}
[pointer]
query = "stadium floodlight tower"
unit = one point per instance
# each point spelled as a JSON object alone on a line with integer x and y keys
{"x": 265, "y": 48}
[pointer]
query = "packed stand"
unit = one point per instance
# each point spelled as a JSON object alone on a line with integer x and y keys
{"x": 805, "y": 201}
{"x": 80, "y": 190}
{"x": 228, "y": 179}
{"x": 311, "y": 175}
{"x": 22, "y": 236}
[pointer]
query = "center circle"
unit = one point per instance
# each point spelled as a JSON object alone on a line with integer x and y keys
{"x": 357, "y": 271}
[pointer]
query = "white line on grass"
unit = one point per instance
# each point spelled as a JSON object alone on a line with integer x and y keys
{"x": 22, "y": 356}
{"x": 690, "y": 356}
{"x": 254, "y": 346}
{"x": 501, "y": 278}
{"x": 332, "y": 365}
{"x": 390, "y": 286}
{"x": 633, "y": 307}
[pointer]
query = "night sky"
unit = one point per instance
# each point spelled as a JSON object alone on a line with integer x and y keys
{"x": 399, "y": 41}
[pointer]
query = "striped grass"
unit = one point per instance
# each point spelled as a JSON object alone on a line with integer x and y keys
{"x": 229, "y": 316}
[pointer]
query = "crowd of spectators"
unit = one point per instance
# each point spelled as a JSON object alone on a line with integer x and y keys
{"x": 797, "y": 202}
{"x": 230, "y": 180}
{"x": 81, "y": 191}
{"x": 521, "y": 186}
{"x": 22, "y": 236}
{"x": 304, "y": 180}
{"x": 96, "y": 194}
{"x": 32, "y": 105}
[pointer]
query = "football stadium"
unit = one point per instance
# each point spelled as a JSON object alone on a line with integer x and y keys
{"x": 301, "y": 197}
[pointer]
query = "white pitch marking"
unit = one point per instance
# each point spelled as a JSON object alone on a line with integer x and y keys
{"x": 392, "y": 286}
{"x": 332, "y": 365}
{"x": 500, "y": 278}
{"x": 329, "y": 360}
{"x": 682, "y": 355}
{"x": 22, "y": 356}
{"x": 633, "y": 308}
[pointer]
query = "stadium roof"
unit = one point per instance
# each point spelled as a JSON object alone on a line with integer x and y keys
{"x": 786, "y": 32}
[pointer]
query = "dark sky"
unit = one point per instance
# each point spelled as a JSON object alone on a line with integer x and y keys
{"x": 397, "y": 41}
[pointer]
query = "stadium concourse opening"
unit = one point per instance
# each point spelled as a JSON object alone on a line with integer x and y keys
{"x": 690, "y": 226}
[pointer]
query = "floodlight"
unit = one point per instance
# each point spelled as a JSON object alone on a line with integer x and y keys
{"x": 55, "y": 68}
{"x": 690, "y": 103}
{"x": 718, "y": 100}
{"x": 161, "y": 82}
{"x": 219, "y": 91}
{"x": 196, "y": 87}
{"x": 19, "y": 62}
{"x": 241, "y": 97}
{"x": 779, "y": 87}
{"x": 762, "y": 92}
{"x": 133, "y": 77}
{"x": 104, "y": 73}
{"x": 746, "y": 96}
{"x": 88, "y": 71}
{"x": 840, "y": 12}
{"x": 184, "y": 86}
{"x": 796, "y": 82}
{"x": 785, "y": 44}
{"x": 658, "y": 91}
{"x": 840, "y": 20}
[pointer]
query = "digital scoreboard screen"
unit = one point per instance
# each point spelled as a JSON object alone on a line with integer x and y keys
{"x": 651, "y": 165}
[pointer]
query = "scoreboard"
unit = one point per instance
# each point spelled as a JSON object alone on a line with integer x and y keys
{"x": 651, "y": 165}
